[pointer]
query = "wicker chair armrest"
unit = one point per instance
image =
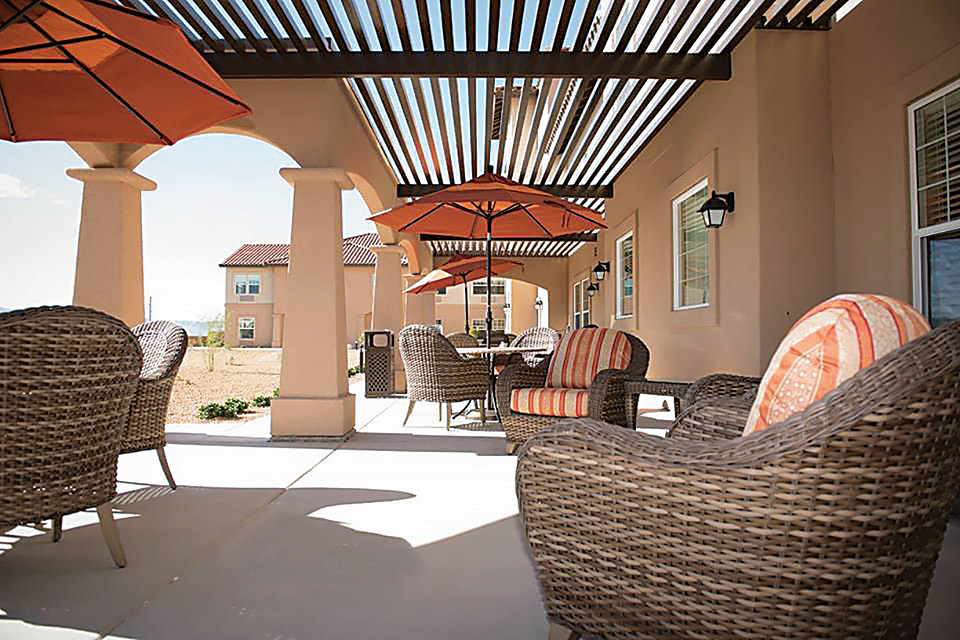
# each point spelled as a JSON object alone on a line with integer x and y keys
{"x": 607, "y": 400}
{"x": 518, "y": 376}
{"x": 718, "y": 418}
{"x": 722, "y": 385}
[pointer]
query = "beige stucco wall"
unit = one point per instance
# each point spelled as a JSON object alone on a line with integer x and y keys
{"x": 523, "y": 313}
{"x": 883, "y": 56}
{"x": 262, "y": 313}
{"x": 359, "y": 302}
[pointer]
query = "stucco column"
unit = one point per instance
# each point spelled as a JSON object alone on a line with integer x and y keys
{"x": 109, "y": 274}
{"x": 314, "y": 399}
{"x": 388, "y": 301}
{"x": 418, "y": 307}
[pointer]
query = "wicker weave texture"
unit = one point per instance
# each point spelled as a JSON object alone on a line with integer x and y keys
{"x": 435, "y": 371}
{"x": 164, "y": 345}
{"x": 826, "y": 525}
{"x": 607, "y": 400}
{"x": 67, "y": 378}
{"x": 462, "y": 340}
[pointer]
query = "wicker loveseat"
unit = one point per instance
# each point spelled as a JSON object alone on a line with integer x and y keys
{"x": 437, "y": 373}
{"x": 67, "y": 379}
{"x": 826, "y": 525}
{"x": 531, "y": 398}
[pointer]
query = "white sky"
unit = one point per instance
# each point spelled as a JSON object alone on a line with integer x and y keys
{"x": 215, "y": 192}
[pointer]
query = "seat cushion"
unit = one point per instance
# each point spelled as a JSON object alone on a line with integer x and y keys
{"x": 582, "y": 353}
{"x": 549, "y": 401}
{"x": 828, "y": 345}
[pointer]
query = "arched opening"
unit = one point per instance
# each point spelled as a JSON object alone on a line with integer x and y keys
{"x": 515, "y": 306}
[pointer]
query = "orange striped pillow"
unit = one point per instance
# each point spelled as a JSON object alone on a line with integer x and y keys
{"x": 829, "y": 344}
{"x": 582, "y": 353}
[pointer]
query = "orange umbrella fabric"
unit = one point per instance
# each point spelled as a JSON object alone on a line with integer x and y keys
{"x": 512, "y": 210}
{"x": 94, "y": 71}
{"x": 461, "y": 270}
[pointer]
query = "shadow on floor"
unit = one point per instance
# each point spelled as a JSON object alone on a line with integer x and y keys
{"x": 253, "y": 563}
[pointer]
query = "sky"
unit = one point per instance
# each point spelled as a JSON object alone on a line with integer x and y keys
{"x": 214, "y": 193}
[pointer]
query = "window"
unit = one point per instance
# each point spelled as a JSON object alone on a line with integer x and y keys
{"x": 691, "y": 251}
{"x": 498, "y": 287}
{"x": 478, "y": 324}
{"x": 581, "y": 304}
{"x": 934, "y": 130}
{"x": 246, "y": 285}
{"x": 499, "y": 324}
{"x": 625, "y": 275}
{"x": 442, "y": 291}
{"x": 440, "y": 322}
{"x": 247, "y": 328}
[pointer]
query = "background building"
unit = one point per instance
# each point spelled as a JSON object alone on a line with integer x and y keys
{"x": 256, "y": 290}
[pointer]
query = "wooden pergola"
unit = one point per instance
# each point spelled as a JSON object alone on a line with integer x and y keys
{"x": 561, "y": 94}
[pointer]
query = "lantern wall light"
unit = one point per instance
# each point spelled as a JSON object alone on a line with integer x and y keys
{"x": 715, "y": 208}
{"x": 601, "y": 270}
{"x": 592, "y": 289}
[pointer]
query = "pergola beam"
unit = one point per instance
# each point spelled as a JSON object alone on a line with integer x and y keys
{"x": 559, "y": 190}
{"x": 472, "y": 64}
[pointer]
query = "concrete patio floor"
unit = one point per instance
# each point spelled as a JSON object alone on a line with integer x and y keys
{"x": 397, "y": 533}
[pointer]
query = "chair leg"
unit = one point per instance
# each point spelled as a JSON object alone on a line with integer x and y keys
{"x": 561, "y": 633}
{"x": 440, "y": 409}
{"x": 111, "y": 535}
{"x": 511, "y": 447}
{"x": 409, "y": 411}
{"x": 449, "y": 412}
{"x": 57, "y": 527}
{"x": 166, "y": 467}
{"x": 483, "y": 414}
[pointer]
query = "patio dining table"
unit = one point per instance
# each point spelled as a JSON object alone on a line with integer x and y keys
{"x": 479, "y": 352}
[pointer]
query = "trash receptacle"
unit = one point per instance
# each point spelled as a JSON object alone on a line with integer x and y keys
{"x": 378, "y": 363}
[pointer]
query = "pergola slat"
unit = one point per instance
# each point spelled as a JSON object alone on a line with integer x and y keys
{"x": 287, "y": 25}
{"x": 561, "y": 191}
{"x": 208, "y": 12}
{"x": 250, "y": 37}
{"x": 194, "y": 20}
{"x": 631, "y": 26}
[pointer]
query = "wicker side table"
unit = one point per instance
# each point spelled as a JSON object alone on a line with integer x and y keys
{"x": 634, "y": 388}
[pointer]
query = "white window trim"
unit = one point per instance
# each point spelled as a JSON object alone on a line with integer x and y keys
{"x": 239, "y": 278}
{"x": 240, "y": 328}
{"x": 675, "y": 205}
{"x": 918, "y": 233}
{"x": 621, "y": 312}
{"x": 584, "y": 313}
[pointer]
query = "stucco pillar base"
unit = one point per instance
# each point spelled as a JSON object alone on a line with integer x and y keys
{"x": 313, "y": 417}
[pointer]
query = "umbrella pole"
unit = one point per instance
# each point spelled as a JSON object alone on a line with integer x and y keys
{"x": 466, "y": 307}
{"x": 492, "y": 403}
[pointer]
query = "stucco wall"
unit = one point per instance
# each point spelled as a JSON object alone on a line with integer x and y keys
{"x": 359, "y": 300}
{"x": 713, "y": 135}
{"x": 883, "y": 56}
{"x": 262, "y": 313}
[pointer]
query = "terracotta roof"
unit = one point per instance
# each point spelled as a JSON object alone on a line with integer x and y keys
{"x": 356, "y": 253}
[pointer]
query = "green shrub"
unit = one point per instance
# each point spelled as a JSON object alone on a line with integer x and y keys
{"x": 213, "y": 410}
{"x": 261, "y": 401}
{"x": 276, "y": 392}
{"x": 352, "y": 371}
{"x": 238, "y": 405}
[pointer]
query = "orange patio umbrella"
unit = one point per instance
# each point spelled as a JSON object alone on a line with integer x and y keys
{"x": 491, "y": 207}
{"x": 95, "y": 71}
{"x": 461, "y": 270}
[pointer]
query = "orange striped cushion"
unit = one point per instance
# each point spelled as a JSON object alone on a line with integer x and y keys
{"x": 582, "y": 353}
{"x": 829, "y": 344}
{"x": 548, "y": 401}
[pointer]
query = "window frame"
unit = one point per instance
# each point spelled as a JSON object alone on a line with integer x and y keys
{"x": 246, "y": 280}
{"x": 621, "y": 311}
{"x": 700, "y": 185}
{"x": 482, "y": 282}
{"x": 252, "y": 328}
{"x": 580, "y": 304}
{"x": 919, "y": 236}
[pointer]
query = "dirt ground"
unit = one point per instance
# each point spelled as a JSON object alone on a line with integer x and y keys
{"x": 225, "y": 373}
{"x": 237, "y": 373}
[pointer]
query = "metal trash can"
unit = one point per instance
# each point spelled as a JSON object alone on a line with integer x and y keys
{"x": 378, "y": 363}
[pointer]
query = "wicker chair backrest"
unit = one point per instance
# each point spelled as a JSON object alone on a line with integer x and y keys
{"x": 461, "y": 339}
{"x": 163, "y": 344}
{"x": 536, "y": 337}
{"x": 67, "y": 377}
{"x": 424, "y": 350}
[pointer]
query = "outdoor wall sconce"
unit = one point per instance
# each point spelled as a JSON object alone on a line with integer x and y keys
{"x": 600, "y": 271}
{"x": 506, "y": 305}
{"x": 538, "y": 303}
{"x": 714, "y": 209}
{"x": 592, "y": 289}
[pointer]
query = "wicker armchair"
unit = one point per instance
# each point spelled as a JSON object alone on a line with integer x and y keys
{"x": 67, "y": 379}
{"x": 825, "y": 525}
{"x": 437, "y": 373}
{"x": 163, "y": 344}
{"x": 606, "y": 395}
{"x": 461, "y": 340}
